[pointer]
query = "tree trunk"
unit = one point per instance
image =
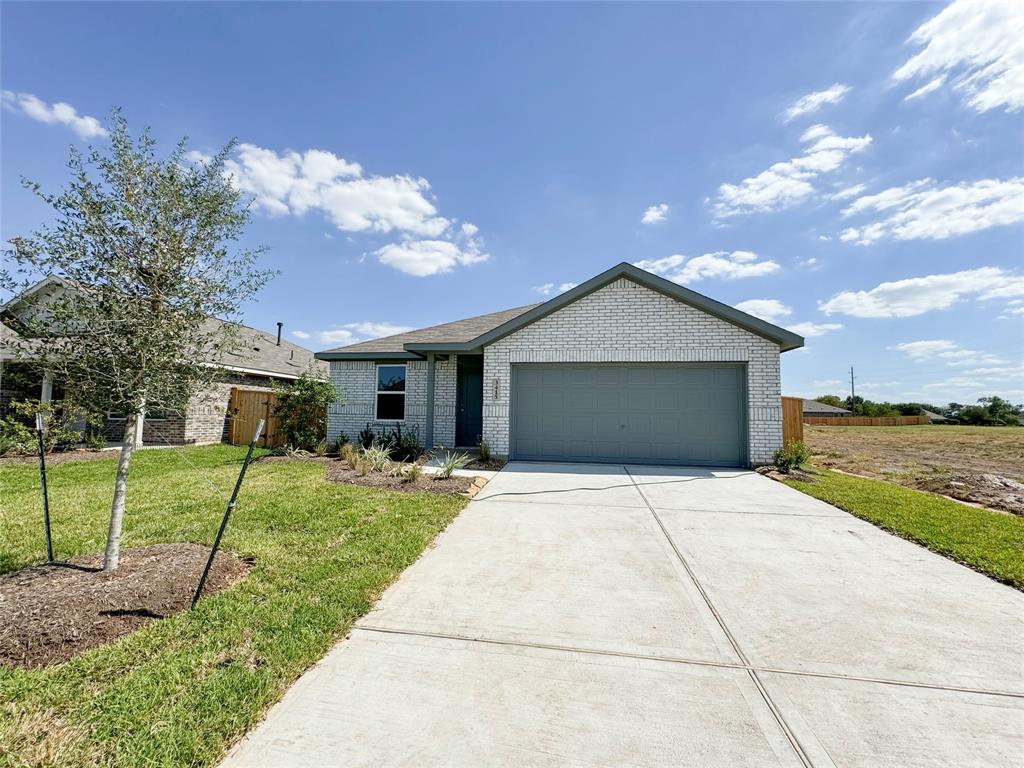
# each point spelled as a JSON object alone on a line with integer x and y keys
{"x": 112, "y": 554}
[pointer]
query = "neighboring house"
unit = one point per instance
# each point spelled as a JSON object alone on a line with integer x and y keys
{"x": 626, "y": 367}
{"x": 933, "y": 418}
{"x": 823, "y": 410}
{"x": 259, "y": 358}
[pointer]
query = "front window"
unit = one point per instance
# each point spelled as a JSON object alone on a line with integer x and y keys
{"x": 390, "y": 393}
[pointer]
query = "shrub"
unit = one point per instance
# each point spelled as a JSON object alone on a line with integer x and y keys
{"x": 16, "y": 439}
{"x": 485, "y": 450}
{"x": 350, "y": 455}
{"x": 792, "y": 456}
{"x": 450, "y": 463}
{"x": 363, "y": 467}
{"x": 376, "y": 456}
{"x": 302, "y": 410}
{"x": 61, "y": 419}
{"x": 413, "y": 472}
{"x": 367, "y": 436}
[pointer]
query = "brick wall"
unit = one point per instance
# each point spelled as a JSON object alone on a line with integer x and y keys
{"x": 355, "y": 381}
{"x": 625, "y": 322}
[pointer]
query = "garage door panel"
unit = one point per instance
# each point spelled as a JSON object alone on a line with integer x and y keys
{"x": 673, "y": 414}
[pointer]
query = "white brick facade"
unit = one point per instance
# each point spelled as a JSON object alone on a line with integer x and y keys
{"x": 621, "y": 322}
{"x": 355, "y": 381}
{"x": 626, "y": 322}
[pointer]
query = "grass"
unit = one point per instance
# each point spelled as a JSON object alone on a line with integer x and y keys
{"x": 182, "y": 689}
{"x": 988, "y": 541}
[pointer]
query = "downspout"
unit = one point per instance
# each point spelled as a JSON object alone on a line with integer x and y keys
{"x": 428, "y": 439}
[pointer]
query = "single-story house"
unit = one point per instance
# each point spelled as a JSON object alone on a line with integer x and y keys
{"x": 824, "y": 410}
{"x": 933, "y": 418}
{"x": 626, "y": 367}
{"x": 258, "y": 358}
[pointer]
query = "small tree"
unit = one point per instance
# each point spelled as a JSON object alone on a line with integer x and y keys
{"x": 143, "y": 248}
{"x": 302, "y": 410}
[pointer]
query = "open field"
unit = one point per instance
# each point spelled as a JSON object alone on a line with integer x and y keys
{"x": 180, "y": 689}
{"x": 979, "y": 465}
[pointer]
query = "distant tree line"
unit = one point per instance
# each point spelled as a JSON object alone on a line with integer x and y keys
{"x": 990, "y": 411}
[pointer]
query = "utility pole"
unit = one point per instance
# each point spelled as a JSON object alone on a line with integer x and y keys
{"x": 853, "y": 394}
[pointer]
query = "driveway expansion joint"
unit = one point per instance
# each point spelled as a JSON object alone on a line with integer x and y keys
{"x": 769, "y": 702}
{"x": 747, "y": 667}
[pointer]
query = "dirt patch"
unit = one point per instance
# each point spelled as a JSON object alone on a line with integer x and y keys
{"x": 794, "y": 474}
{"x": 51, "y": 613}
{"x": 491, "y": 465}
{"x": 62, "y": 457}
{"x": 977, "y": 465}
{"x": 986, "y": 490}
{"x": 340, "y": 472}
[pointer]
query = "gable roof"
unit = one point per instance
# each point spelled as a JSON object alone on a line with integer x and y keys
{"x": 813, "y": 406}
{"x": 458, "y": 339}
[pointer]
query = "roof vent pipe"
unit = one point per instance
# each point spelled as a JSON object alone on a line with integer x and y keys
{"x": 279, "y": 326}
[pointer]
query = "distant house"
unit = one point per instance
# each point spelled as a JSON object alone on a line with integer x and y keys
{"x": 934, "y": 418}
{"x": 823, "y": 410}
{"x": 259, "y": 358}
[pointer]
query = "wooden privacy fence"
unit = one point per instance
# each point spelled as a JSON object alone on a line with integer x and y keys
{"x": 792, "y": 420}
{"x": 245, "y": 409}
{"x": 865, "y": 421}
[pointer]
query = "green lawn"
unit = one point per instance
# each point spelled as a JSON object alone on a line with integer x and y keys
{"x": 181, "y": 689}
{"x": 990, "y": 542}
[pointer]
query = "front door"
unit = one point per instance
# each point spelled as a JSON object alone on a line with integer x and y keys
{"x": 469, "y": 420}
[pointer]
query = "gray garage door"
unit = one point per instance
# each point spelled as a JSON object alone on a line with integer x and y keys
{"x": 657, "y": 414}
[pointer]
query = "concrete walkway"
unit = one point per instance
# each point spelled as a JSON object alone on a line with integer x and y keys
{"x": 607, "y": 616}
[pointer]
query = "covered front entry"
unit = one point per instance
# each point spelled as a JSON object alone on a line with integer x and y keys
{"x": 652, "y": 413}
{"x": 470, "y": 400}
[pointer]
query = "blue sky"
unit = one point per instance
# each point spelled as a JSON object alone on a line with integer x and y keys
{"x": 854, "y": 170}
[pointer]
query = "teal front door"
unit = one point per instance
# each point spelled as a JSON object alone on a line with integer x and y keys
{"x": 469, "y": 418}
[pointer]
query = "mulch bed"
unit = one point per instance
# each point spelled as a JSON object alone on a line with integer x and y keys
{"x": 59, "y": 457}
{"x": 339, "y": 472}
{"x": 50, "y": 613}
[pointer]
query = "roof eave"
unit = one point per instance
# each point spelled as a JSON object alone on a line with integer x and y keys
{"x": 367, "y": 356}
{"x": 786, "y": 340}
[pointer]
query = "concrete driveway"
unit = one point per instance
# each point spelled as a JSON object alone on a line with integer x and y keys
{"x": 606, "y": 615}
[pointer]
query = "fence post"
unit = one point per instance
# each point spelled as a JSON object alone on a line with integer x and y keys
{"x": 227, "y": 514}
{"x": 46, "y": 497}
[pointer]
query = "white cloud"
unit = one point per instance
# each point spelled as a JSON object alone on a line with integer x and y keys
{"x": 303, "y": 335}
{"x": 922, "y": 350}
{"x": 846, "y": 194}
{"x": 32, "y": 106}
{"x": 789, "y": 183}
{"x": 932, "y": 85}
{"x": 917, "y": 295}
{"x": 429, "y": 257}
{"x": 655, "y": 214}
{"x": 551, "y": 288}
{"x": 949, "y": 352}
{"x": 721, "y": 264}
{"x": 351, "y": 333}
{"x": 814, "y": 329}
{"x": 295, "y": 183}
{"x": 767, "y": 309}
{"x": 827, "y": 382}
{"x": 812, "y": 102}
{"x": 979, "y": 44}
{"x": 923, "y": 210}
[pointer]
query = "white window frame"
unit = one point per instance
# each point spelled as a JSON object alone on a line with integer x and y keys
{"x": 377, "y": 391}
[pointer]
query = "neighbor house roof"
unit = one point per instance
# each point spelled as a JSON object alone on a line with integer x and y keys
{"x": 257, "y": 352}
{"x": 932, "y": 416}
{"x": 473, "y": 334}
{"x": 813, "y": 406}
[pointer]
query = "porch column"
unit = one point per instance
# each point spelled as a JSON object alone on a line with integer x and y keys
{"x": 46, "y": 391}
{"x": 428, "y": 439}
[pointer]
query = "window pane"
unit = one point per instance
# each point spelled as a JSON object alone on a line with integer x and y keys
{"x": 390, "y": 407}
{"x": 391, "y": 378}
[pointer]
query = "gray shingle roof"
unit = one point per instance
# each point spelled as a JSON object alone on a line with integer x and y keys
{"x": 813, "y": 406}
{"x": 454, "y": 332}
{"x": 258, "y": 351}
